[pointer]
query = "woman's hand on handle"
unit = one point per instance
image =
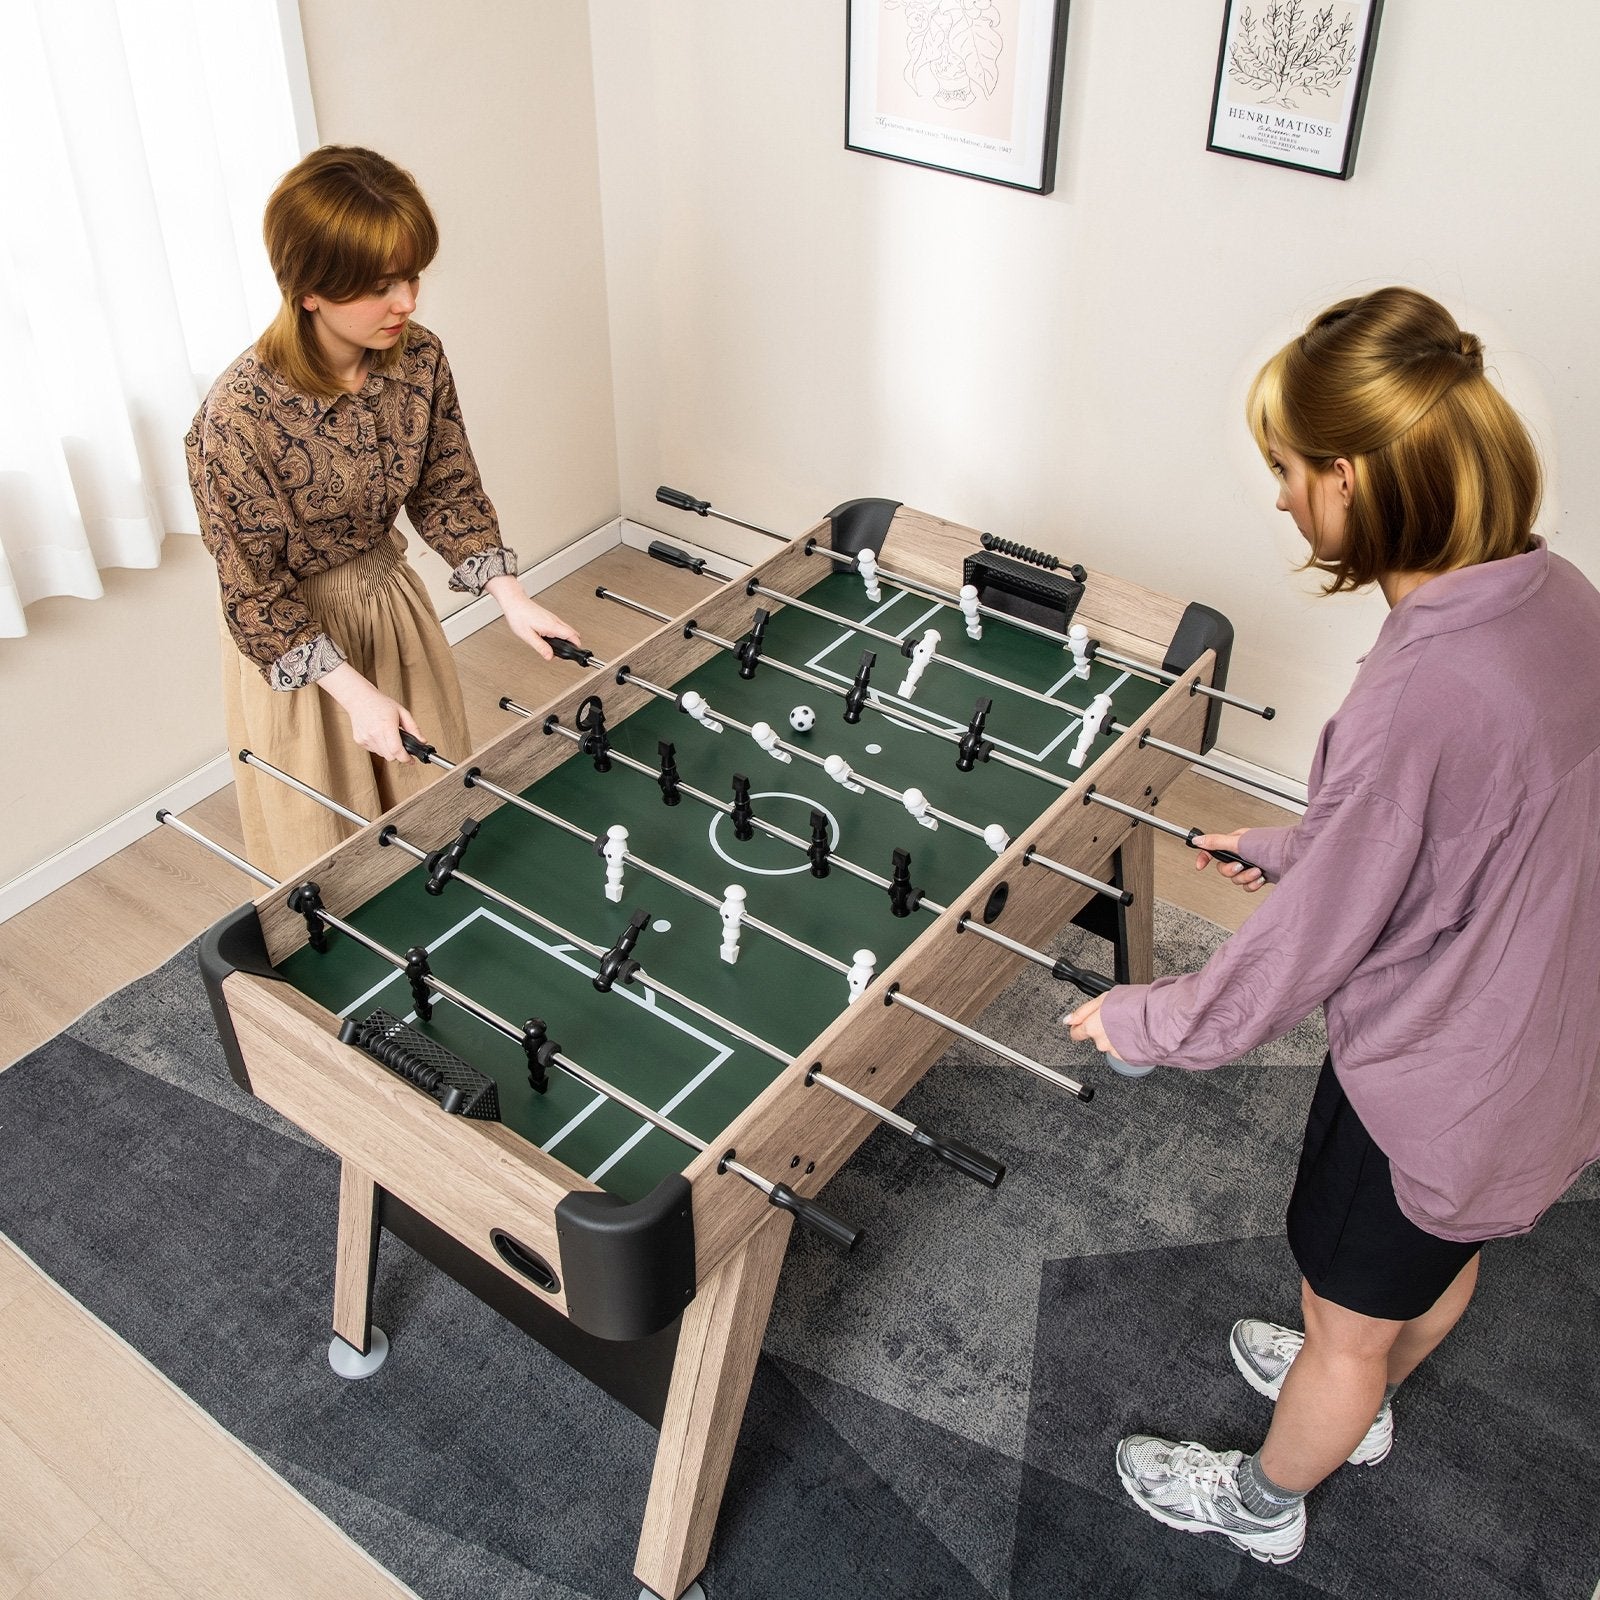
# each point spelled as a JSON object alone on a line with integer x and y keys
{"x": 1248, "y": 878}
{"x": 1084, "y": 1023}
{"x": 531, "y": 622}
{"x": 375, "y": 719}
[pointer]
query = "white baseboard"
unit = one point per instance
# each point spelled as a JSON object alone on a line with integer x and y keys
{"x": 79, "y": 857}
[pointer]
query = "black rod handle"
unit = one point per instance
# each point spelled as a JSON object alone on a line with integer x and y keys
{"x": 682, "y": 501}
{"x": 660, "y": 550}
{"x": 974, "y": 1163}
{"x": 566, "y": 650}
{"x": 1232, "y": 858}
{"x": 416, "y": 748}
{"x": 1091, "y": 983}
{"x": 809, "y": 1213}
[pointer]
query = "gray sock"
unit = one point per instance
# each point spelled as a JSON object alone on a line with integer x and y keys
{"x": 1260, "y": 1494}
{"x": 1388, "y": 1394}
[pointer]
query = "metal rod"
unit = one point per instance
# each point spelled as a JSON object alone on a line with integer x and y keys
{"x": 251, "y": 759}
{"x": 1110, "y": 890}
{"x": 1004, "y": 1051}
{"x": 752, "y": 587}
{"x": 490, "y": 893}
{"x": 604, "y": 593}
{"x": 1147, "y": 669}
{"x": 1159, "y": 823}
{"x": 627, "y": 675}
{"x": 876, "y": 698}
{"x": 166, "y": 817}
{"x": 1032, "y": 858}
{"x": 670, "y": 878}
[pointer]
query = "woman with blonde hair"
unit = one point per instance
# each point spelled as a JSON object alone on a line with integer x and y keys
{"x": 1440, "y": 898}
{"x": 301, "y": 459}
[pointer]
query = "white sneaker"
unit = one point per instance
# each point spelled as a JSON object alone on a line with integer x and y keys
{"x": 1263, "y": 1352}
{"x": 1195, "y": 1490}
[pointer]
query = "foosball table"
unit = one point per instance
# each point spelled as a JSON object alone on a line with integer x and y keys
{"x": 591, "y": 1021}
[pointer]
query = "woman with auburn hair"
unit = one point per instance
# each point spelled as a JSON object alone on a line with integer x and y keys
{"x": 306, "y": 449}
{"x": 1440, "y": 898}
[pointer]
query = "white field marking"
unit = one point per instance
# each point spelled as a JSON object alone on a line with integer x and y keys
{"x": 562, "y": 952}
{"x": 775, "y": 872}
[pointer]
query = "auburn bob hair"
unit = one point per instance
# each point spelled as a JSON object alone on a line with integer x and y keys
{"x": 338, "y": 224}
{"x": 1445, "y": 474}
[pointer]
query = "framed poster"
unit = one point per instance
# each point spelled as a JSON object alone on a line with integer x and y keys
{"x": 965, "y": 86}
{"x": 1292, "y": 82}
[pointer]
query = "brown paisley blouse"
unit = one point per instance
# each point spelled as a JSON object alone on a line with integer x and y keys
{"x": 287, "y": 486}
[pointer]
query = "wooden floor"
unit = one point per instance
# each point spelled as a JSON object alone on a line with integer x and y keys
{"x": 112, "y": 1483}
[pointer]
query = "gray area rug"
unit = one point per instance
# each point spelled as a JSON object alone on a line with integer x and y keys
{"x": 933, "y": 1417}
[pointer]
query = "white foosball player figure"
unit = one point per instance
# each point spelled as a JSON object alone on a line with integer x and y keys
{"x": 766, "y": 736}
{"x": 867, "y": 566}
{"x": 1093, "y": 718}
{"x": 1078, "y": 644}
{"x": 996, "y": 838}
{"x": 921, "y": 654}
{"x": 860, "y": 974}
{"x": 916, "y": 802}
{"x": 615, "y": 851}
{"x": 732, "y": 913}
{"x": 695, "y": 704}
{"x": 969, "y": 610}
{"x": 838, "y": 769}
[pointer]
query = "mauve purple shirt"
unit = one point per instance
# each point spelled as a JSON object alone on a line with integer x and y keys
{"x": 1441, "y": 898}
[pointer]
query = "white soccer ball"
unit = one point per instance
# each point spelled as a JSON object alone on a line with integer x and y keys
{"x": 802, "y": 719}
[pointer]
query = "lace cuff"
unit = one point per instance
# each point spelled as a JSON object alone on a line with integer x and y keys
{"x": 475, "y": 573}
{"x": 304, "y": 664}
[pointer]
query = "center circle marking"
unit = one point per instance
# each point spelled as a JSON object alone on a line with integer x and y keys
{"x": 776, "y": 872}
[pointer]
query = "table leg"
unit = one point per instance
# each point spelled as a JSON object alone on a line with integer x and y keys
{"x": 356, "y": 1264}
{"x": 718, "y": 1345}
{"x": 1139, "y": 874}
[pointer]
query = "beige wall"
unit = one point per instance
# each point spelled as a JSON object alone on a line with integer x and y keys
{"x": 490, "y": 105}
{"x": 794, "y": 324}
{"x": 106, "y": 703}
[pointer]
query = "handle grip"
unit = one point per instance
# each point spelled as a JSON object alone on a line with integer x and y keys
{"x": 660, "y": 550}
{"x": 566, "y": 650}
{"x": 416, "y": 748}
{"x": 809, "y": 1213}
{"x": 1091, "y": 983}
{"x": 682, "y": 501}
{"x": 974, "y": 1163}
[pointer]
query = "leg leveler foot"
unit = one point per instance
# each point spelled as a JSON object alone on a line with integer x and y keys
{"x": 349, "y": 1362}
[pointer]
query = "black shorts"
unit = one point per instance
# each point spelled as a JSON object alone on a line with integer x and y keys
{"x": 1354, "y": 1244}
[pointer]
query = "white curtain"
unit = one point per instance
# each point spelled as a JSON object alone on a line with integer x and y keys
{"x": 138, "y": 142}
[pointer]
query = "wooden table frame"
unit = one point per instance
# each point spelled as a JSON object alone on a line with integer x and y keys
{"x": 692, "y": 1376}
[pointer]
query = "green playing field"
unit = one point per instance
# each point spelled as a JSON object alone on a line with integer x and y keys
{"x": 680, "y": 1064}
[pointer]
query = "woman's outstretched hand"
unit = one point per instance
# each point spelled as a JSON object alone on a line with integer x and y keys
{"x": 375, "y": 719}
{"x": 531, "y": 622}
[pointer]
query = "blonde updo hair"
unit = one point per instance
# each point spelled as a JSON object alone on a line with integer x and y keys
{"x": 1445, "y": 473}
{"x": 337, "y": 225}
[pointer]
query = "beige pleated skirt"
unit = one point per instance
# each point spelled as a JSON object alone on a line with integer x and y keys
{"x": 376, "y": 609}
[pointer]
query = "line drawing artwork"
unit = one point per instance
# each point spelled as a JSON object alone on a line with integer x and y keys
{"x": 953, "y": 49}
{"x": 1289, "y": 50}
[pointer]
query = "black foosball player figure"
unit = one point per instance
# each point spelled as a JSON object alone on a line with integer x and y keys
{"x": 1431, "y": 900}
{"x": 306, "y": 449}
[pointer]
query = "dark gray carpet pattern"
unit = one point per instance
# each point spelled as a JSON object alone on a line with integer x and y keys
{"x": 934, "y": 1417}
